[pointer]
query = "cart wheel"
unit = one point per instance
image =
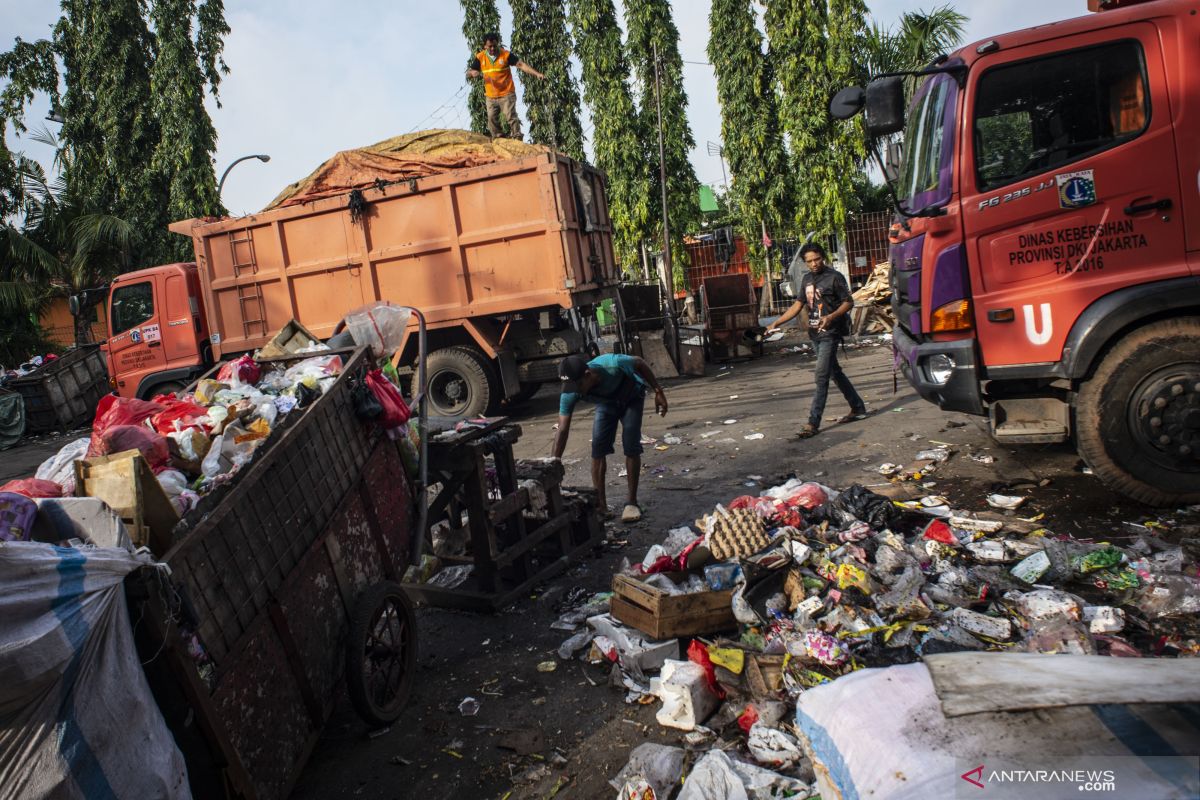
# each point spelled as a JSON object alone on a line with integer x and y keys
{"x": 381, "y": 655}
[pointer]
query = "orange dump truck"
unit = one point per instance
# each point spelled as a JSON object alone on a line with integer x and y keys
{"x": 508, "y": 262}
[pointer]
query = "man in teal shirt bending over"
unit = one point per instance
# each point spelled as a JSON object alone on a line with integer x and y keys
{"x": 617, "y": 385}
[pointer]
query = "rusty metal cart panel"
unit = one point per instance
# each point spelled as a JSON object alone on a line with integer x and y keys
{"x": 730, "y": 309}
{"x": 280, "y": 580}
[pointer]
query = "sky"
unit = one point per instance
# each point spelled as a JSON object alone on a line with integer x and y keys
{"x": 309, "y": 77}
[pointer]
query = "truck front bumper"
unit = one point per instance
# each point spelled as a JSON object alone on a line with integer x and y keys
{"x": 951, "y": 362}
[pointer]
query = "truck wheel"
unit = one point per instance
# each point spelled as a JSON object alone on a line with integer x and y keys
{"x": 381, "y": 654}
{"x": 527, "y": 391}
{"x": 164, "y": 388}
{"x": 461, "y": 383}
{"x": 1137, "y": 419}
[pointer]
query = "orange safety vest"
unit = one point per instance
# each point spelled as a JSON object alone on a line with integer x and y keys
{"x": 497, "y": 75}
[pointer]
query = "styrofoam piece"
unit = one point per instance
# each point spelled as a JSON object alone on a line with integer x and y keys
{"x": 635, "y": 649}
{"x": 683, "y": 689}
{"x": 981, "y": 624}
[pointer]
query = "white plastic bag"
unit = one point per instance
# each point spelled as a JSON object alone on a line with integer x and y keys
{"x": 60, "y": 467}
{"x": 655, "y": 765}
{"x": 379, "y": 326}
{"x": 719, "y": 777}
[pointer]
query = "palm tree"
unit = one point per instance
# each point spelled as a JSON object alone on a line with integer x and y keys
{"x": 920, "y": 38}
{"x": 62, "y": 246}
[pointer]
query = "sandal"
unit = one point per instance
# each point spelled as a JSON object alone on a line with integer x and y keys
{"x": 853, "y": 416}
{"x": 807, "y": 432}
{"x": 631, "y": 513}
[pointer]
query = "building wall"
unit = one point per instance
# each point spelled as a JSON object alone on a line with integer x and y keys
{"x": 59, "y": 326}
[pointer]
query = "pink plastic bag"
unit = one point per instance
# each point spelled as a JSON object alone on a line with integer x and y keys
{"x": 153, "y": 447}
{"x": 395, "y": 411}
{"x": 240, "y": 370}
{"x": 33, "y": 487}
{"x": 807, "y": 496}
{"x": 112, "y": 411}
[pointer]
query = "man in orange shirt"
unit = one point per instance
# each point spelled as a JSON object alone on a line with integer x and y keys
{"x": 494, "y": 64}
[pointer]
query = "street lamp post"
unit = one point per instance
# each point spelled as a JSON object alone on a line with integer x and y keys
{"x": 261, "y": 157}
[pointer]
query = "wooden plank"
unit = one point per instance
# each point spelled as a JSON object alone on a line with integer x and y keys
{"x": 533, "y": 539}
{"x": 508, "y": 505}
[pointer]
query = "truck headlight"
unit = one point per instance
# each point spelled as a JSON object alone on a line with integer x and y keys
{"x": 940, "y": 368}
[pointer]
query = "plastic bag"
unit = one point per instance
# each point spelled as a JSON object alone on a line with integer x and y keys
{"x": 773, "y": 747}
{"x": 33, "y": 487}
{"x": 379, "y": 326}
{"x": 863, "y": 504}
{"x": 716, "y": 776}
{"x": 395, "y": 411}
{"x": 179, "y": 415}
{"x": 242, "y": 370}
{"x": 698, "y": 654}
{"x": 657, "y": 767}
{"x": 314, "y": 368}
{"x": 112, "y": 411}
{"x": 17, "y": 513}
{"x": 806, "y": 496}
{"x": 60, "y": 467}
{"x": 120, "y": 438}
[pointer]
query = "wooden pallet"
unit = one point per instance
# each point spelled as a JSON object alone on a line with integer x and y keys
{"x": 124, "y": 481}
{"x": 514, "y": 544}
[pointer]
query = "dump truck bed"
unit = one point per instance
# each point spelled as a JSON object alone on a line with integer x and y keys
{"x": 490, "y": 240}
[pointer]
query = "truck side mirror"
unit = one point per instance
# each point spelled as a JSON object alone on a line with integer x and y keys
{"x": 846, "y": 103}
{"x": 885, "y": 106}
{"x": 73, "y": 305}
{"x": 892, "y": 159}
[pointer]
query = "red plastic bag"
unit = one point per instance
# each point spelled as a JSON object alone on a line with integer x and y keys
{"x": 135, "y": 437}
{"x": 395, "y": 411}
{"x": 33, "y": 487}
{"x": 112, "y": 411}
{"x": 185, "y": 412}
{"x": 698, "y": 654}
{"x": 939, "y": 531}
{"x": 240, "y": 370}
{"x": 748, "y": 717}
{"x": 807, "y": 496}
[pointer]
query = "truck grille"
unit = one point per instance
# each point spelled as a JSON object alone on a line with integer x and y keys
{"x": 906, "y": 283}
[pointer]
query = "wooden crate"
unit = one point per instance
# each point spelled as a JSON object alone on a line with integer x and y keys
{"x": 124, "y": 481}
{"x": 665, "y": 616}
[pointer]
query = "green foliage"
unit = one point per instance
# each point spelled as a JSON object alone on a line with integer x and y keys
{"x": 480, "y": 17}
{"x": 618, "y": 139}
{"x": 762, "y": 189}
{"x": 182, "y": 159}
{"x": 651, "y": 26}
{"x": 28, "y": 69}
{"x": 540, "y": 38}
{"x": 920, "y": 37}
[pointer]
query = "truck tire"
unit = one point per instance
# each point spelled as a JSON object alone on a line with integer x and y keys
{"x": 1137, "y": 419}
{"x": 164, "y": 388}
{"x": 462, "y": 383}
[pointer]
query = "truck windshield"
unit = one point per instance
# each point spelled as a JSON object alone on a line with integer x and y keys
{"x": 926, "y": 174}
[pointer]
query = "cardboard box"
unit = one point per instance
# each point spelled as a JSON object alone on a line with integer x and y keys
{"x": 124, "y": 481}
{"x": 665, "y": 616}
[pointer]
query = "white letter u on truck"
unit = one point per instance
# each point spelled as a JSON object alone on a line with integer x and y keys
{"x": 1036, "y": 336}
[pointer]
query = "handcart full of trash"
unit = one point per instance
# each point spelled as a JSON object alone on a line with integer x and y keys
{"x": 275, "y": 506}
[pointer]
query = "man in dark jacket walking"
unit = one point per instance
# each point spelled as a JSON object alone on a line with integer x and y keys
{"x": 826, "y": 295}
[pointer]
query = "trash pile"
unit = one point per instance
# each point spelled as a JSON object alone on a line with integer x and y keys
{"x": 27, "y": 367}
{"x": 770, "y": 595}
{"x": 872, "y": 302}
{"x": 194, "y": 442}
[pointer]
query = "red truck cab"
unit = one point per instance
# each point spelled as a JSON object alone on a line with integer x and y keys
{"x": 1045, "y": 264}
{"x": 158, "y": 336}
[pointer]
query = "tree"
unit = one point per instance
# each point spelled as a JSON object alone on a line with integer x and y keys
{"x": 617, "y": 139}
{"x": 29, "y": 68}
{"x": 841, "y": 159}
{"x": 920, "y": 37}
{"x": 796, "y": 30}
{"x": 183, "y": 157}
{"x": 480, "y": 17}
{"x": 110, "y": 132}
{"x": 762, "y": 187}
{"x": 652, "y": 28}
{"x": 540, "y": 37}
